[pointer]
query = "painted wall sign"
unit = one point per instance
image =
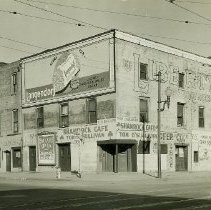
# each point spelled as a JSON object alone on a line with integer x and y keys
{"x": 46, "y": 149}
{"x": 70, "y": 72}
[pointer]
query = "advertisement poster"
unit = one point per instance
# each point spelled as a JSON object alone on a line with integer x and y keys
{"x": 46, "y": 150}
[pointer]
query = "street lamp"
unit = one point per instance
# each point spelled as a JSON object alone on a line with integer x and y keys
{"x": 160, "y": 109}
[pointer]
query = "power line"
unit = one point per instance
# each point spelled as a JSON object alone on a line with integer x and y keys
{"x": 183, "y": 40}
{"x": 11, "y": 48}
{"x": 38, "y": 17}
{"x": 20, "y": 42}
{"x": 187, "y": 10}
{"x": 194, "y": 2}
{"x": 122, "y": 13}
{"x": 58, "y": 14}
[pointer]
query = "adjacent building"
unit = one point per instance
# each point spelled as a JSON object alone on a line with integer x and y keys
{"x": 10, "y": 117}
{"x": 91, "y": 106}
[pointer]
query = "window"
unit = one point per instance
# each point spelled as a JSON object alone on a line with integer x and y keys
{"x": 142, "y": 71}
{"x": 180, "y": 114}
{"x": 143, "y": 110}
{"x": 164, "y": 149}
{"x": 14, "y": 83}
{"x": 196, "y": 156}
{"x": 15, "y": 121}
{"x": 144, "y": 147}
{"x": 181, "y": 80}
{"x": 201, "y": 117}
{"x": 40, "y": 117}
{"x": 64, "y": 115}
{"x": 16, "y": 158}
{"x": 92, "y": 110}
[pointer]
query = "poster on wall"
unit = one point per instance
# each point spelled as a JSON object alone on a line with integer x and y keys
{"x": 68, "y": 73}
{"x": 46, "y": 150}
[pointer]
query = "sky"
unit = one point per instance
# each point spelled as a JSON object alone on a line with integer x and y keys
{"x": 184, "y": 24}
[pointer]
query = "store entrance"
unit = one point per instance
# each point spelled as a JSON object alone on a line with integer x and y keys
{"x": 181, "y": 158}
{"x": 64, "y": 157}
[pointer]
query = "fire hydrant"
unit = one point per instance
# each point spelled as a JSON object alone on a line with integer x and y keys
{"x": 58, "y": 173}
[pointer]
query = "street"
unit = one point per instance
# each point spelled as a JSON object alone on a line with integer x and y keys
{"x": 149, "y": 193}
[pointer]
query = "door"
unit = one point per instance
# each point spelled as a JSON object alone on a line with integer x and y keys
{"x": 64, "y": 157}
{"x": 181, "y": 158}
{"x": 107, "y": 157}
{"x": 124, "y": 158}
{"x": 32, "y": 158}
{"x": 8, "y": 161}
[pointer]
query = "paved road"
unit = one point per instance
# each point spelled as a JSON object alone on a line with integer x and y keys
{"x": 153, "y": 194}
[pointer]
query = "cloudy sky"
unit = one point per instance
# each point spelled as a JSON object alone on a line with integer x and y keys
{"x": 31, "y": 26}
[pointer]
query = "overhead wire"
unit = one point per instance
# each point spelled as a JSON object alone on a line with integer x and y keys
{"x": 122, "y": 13}
{"x": 11, "y": 48}
{"x": 188, "y": 10}
{"x": 58, "y": 14}
{"x": 38, "y": 17}
{"x": 194, "y": 2}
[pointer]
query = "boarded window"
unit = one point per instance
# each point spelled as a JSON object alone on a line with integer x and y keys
{"x": 92, "y": 110}
{"x": 180, "y": 114}
{"x": 64, "y": 115}
{"x": 142, "y": 71}
{"x": 181, "y": 80}
{"x": 196, "y": 156}
{"x": 143, "y": 110}
{"x": 15, "y": 121}
{"x": 201, "y": 117}
{"x": 16, "y": 158}
{"x": 40, "y": 117}
{"x": 144, "y": 147}
{"x": 164, "y": 149}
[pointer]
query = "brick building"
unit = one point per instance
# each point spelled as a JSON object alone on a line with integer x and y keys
{"x": 91, "y": 105}
{"x": 10, "y": 115}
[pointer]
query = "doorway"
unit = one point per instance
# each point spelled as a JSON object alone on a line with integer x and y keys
{"x": 181, "y": 158}
{"x": 8, "y": 161}
{"x": 64, "y": 157}
{"x": 32, "y": 158}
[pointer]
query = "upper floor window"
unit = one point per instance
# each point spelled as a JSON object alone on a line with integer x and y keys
{"x": 201, "y": 117}
{"x": 143, "y": 110}
{"x": 92, "y": 110}
{"x": 64, "y": 115}
{"x": 180, "y": 114}
{"x": 40, "y": 117}
{"x": 143, "y": 71}
{"x": 15, "y": 120}
{"x": 181, "y": 80}
{"x": 14, "y": 83}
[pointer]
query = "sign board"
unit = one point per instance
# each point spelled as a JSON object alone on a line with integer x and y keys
{"x": 68, "y": 73}
{"x": 46, "y": 149}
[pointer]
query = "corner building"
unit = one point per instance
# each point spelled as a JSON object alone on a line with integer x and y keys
{"x": 91, "y": 106}
{"x": 10, "y": 118}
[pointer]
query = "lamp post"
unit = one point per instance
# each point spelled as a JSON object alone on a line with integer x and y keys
{"x": 159, "y": 110}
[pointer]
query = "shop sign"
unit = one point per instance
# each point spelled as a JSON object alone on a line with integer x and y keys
{"x": 46, "y": 149}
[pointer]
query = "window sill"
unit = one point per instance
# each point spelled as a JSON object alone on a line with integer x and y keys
{"x": 13, "y": 134}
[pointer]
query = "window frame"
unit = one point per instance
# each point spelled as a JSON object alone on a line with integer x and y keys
{"x": 183, "y": 80}
{"x": 14, "y": 83}
{"x": 145, "y": 73}
{"x": 144, "y": 147}
{"x": 147, "y": 110}
{"x": 201, "y": 118}
{"x": 40, "y": 118}
{"x": 63, "y": 116}
{"x": 89, "y": 120}
{"x": 15, "y": 122}
{"x": 181, "y": 117}
{"x": 195, "y": 156}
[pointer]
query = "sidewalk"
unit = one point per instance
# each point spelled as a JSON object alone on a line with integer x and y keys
{"x": 100, "y": 177}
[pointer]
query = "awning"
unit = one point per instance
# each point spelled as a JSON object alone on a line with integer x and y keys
{"x": 117, "y": 141}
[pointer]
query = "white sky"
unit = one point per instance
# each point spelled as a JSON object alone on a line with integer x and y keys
{"x": 47, "y": 34}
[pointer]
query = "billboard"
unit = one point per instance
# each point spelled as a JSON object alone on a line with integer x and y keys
{"x": 46, "y": 149}
{"x": 68, "y": 73}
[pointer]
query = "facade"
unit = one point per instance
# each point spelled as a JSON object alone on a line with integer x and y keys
{"x": 10, "y": 118}
{"x": 91, "y": 106}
